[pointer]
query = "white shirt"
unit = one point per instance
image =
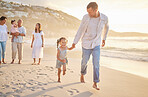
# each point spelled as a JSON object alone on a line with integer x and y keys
{"x": 91, "y": 39}
{"x": 91, "y": 31}
{"x": 3, "y": 32}
{"x": 19, "y": 39}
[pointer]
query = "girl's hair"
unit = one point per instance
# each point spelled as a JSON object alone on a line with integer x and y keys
{"x": 12, "y": 21}
{"x": 3, "y": 18}
{"x": 39, "y": 28}
{"x": 59, "y": 40}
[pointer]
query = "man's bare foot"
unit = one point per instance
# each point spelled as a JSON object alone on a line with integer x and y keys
{"x": 12, "y": 62}
{"x": 33, "y": 64}
{"x": 0, "y": 62}
{"x": 95, "y": 86}
{"x": 82, "y": 79}
{"x": 59, "y": 80}
{"x": 38, "y": 64}
{"x": 64, "y": 72}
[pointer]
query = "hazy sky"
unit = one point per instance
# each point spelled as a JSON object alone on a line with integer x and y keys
{"x": 124, "y": 15}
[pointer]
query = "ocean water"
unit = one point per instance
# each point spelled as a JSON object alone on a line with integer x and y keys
{"x": 132, "y": 48}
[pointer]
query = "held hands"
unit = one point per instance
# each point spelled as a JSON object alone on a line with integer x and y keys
{"x": 73, "y": 45}
{"x": 103, "y": 43}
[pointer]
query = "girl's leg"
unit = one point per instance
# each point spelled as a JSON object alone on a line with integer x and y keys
{"x": 59, "y": 72}
{"x": 34, "y": 61}
{"x": 64, "y": 69}
{"x": 39, "y": 61}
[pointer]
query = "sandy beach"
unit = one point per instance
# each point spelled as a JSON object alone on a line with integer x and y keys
{"x": 26, "y": 80}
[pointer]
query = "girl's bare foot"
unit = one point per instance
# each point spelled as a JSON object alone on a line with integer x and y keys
{"x": 64, "y": 72}
{"x": 59, "y": 80}
{"x": 82, "y": 79}
{"x": 33, "y": 64}
{"x": 0, "y": 62}
{"x": 95, "y": 86}
{"x": 19, "y": 62}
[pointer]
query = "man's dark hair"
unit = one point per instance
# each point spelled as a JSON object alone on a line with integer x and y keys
{"x": 3, "y": 18}
{"x": 12, "y": 21}
{"x": 92, "y": 5}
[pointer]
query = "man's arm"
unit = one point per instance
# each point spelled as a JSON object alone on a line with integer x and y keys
{"x": 106, "y": 29}
{"x": 79, "y": 33}
{"x": 23, "y": 33}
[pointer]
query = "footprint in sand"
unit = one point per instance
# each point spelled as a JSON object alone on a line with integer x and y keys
{"x": 9, "y": 93}
{"x": 60, "y": 87}
{"x": 71, "y": 71}
{"x": 47, "y": 96}
{"x": 1, "y": 73}
{"x": 75, "y": 90}
{"x": 72, "y": 91}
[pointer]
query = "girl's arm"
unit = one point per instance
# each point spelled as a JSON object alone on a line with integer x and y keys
{"x": 42, "y": 40}
{"x": 32, "y": 41}
{"x": 58, "y": 54}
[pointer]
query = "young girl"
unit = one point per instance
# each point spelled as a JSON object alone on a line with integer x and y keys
{"x": 37, "y": 44}
{"x": 61, "y": 55}
{"x": 14, "y": 29}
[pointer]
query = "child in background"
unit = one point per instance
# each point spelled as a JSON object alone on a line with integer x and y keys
{"x": 61, "y": 56}
{"x": 14, "y": 29}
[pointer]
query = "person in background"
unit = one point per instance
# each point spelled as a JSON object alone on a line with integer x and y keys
{"x": 37, "y": 44}
{"x": 3, "y": 38}
{"x": 14, "y": 29}
{"x": 17, "y": 44}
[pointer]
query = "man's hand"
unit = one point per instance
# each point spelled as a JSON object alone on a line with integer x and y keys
{"x": 17, "y": 34}
{"x": 31, "y": 45}
{"x": 103, "y": 43}
{"x": 73, "y": 45}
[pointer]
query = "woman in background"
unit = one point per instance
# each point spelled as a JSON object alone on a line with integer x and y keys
{"x": 37, "y": 44}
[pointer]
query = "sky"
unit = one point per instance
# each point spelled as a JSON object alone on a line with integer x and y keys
{"x": 124, "y": 15}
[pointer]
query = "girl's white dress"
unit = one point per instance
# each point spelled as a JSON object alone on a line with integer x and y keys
{"x": 37, "y": 51}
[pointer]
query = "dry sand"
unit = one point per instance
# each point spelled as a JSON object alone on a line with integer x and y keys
{"x": 26, "y": 80}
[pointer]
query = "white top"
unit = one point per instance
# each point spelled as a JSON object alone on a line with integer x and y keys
{"x": 37, "y": 51}
{"x": 3, "y": 32}
{"x": 19, "y": 39}
{"x": 91, "y": 31}
{"x": 86, "y": 31}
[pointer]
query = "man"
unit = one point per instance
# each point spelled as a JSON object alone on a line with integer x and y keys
{"x": 17, "y": 43}
{"x": 90, "y": 32}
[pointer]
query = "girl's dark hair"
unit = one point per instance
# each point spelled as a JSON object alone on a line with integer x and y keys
{"x": 59, "y": 40}
{"x": 39, "y": 28}
{"x": 12, "y": 21}
{"x": 92, "y": 5}
{"x": 3, "y": 18}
